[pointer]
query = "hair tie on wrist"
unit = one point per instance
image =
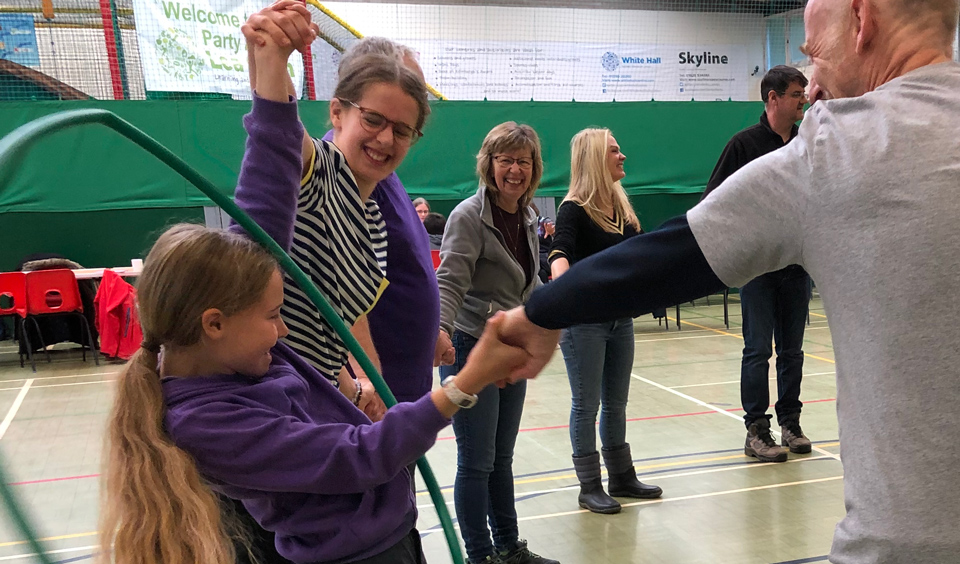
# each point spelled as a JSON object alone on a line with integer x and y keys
{"x": 356, "y": 399}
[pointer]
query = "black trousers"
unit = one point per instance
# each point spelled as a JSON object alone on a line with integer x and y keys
{"x": 407, "y": 551}
{"x": 262, "y": 542}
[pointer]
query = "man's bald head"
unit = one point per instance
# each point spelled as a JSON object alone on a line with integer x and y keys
{"x": 937, "y": 16}
{"x": 857, "y": 45}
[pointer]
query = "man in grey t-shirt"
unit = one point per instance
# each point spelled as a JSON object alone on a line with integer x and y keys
{"x": 866, "y": 200}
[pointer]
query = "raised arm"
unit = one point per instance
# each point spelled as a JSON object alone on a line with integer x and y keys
{"x": 278, "y": 22}
{"x": 269, "y": 182}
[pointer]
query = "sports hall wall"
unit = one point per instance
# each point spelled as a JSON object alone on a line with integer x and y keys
{"x": 93, "y": 197}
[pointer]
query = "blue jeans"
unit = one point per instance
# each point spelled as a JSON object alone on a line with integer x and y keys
{"x": 599, "y": 359}
{"x": 486, "y": 436}
{"x": 775, "y": 307}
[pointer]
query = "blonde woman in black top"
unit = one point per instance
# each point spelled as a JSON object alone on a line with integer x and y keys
{"x": 595, "y": 215}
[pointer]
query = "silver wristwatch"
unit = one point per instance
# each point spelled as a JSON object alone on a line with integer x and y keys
{"x": 457, "y": 396}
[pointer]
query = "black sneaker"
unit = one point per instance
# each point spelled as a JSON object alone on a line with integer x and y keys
{"x": 522, "y": 555}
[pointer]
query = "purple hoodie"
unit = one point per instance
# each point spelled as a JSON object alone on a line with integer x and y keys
{"x": 306, "y": 463}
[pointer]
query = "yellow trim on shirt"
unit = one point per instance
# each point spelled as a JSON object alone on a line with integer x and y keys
{"x": 313, "y": 163}
{"x": 556, "y": 252}
{"x": 383, "y": 287}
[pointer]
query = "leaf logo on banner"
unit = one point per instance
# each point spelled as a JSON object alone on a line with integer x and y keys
{"x": 176, "y": 57}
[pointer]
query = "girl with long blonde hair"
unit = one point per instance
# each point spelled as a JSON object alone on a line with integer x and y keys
{"x": 215, "y": 401}
{"x": 595, "y": 215}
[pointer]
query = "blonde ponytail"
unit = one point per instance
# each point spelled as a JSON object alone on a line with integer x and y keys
{"x": 156, "y": 507}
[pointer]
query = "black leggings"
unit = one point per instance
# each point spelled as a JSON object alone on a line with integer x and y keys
{"x": 407, "y": 551}
{"x": 262, "y": 542}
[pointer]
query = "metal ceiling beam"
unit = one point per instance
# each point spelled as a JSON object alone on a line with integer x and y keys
{"x": 761, "y": 7}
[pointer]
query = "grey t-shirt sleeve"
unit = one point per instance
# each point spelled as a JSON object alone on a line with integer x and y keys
{"x": 753, "y": 223}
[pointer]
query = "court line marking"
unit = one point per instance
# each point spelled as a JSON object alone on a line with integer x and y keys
{"x": 735, "y": 336}
{"x": 64, "y": 385}
{"x": 744, "y": 466}
{"x": 689, "y": 497}
{"x": 12, "y": 380}
{"x": 631, "y": 420}
{"x": 15, "y": 407}
{"x": 738, "y": 381}
{"x": 56, "y": 538}
{"x": 646, "y": 502}
{"x": 717, "y": 409}
{"x": 814, "y": 326}
{"x": 639, "y": 469}
{"x": 676, "y": 338}
{"x": 668, "y": 500}
{"x": 49, "y": 480}
{"x": 60, "y": 551}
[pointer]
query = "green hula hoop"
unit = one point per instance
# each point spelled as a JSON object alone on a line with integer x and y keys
{"x": 17, "y": 143}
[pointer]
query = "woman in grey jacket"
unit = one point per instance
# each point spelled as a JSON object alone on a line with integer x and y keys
{"x": 488, "y": 263}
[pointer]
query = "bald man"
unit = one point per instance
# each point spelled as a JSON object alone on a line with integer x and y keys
{"x": 865, "y": 198}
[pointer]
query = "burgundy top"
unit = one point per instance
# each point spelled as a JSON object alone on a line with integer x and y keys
{"x": 510, "y": 226}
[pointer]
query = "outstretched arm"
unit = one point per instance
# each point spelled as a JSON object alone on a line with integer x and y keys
{"x": 643, "y": 273}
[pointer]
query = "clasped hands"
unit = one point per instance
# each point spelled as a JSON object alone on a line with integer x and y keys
{"x": 511, "y": 347}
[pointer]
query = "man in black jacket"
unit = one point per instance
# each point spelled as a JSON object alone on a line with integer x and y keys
{"x": 774, "y": 305}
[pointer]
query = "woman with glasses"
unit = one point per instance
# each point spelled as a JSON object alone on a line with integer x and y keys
{"x": 488, "y": 263}
{"x": 595, "y": 215}
{"x": 373, "y": 128}
{"x": 377, "y": 111}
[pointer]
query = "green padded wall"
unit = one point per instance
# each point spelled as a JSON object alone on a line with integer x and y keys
{"x": 671, "y": 147}
{"x": 96, "y": 198}
{"x": 99, "y": 238}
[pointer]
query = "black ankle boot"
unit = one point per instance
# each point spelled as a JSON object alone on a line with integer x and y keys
{"x": 592, "y": 496}
{"x": 623, "y": 478}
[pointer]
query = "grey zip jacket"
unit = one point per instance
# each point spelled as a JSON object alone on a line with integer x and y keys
{"x": 478, "y": 276}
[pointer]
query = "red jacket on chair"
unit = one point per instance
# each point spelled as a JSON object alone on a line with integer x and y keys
{"x": 117, "y": 318}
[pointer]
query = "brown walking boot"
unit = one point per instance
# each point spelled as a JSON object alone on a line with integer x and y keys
{"x": 761, "y": 445}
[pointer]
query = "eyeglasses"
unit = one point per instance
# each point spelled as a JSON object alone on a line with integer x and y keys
{"x": 507, "y": 162}
{"x": 375, "y": 122}
{"x": 795, "y": 95}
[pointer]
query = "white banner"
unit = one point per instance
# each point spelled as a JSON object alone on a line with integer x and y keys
{"x": 585, "y": 72}
{"x": 196, "y": 46}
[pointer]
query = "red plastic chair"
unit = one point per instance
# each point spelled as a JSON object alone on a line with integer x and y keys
{"x": 435, "y": 255}
{"x": 55, "y": 292}
{"x": 13, "y": 291}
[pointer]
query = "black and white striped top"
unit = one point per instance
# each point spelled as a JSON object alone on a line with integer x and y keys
{"x": 340, "y": 241}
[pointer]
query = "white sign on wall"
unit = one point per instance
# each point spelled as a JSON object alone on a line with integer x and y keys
{"x": 587, "y": 72}
{"x": 197, "y": 46}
